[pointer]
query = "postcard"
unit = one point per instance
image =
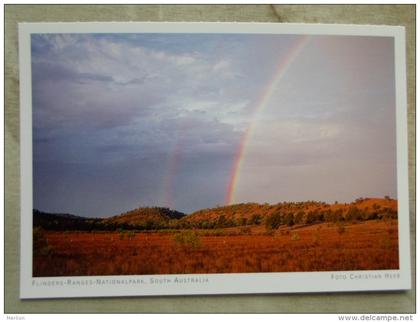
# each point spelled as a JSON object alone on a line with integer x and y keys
{"x": 212, "y": 158}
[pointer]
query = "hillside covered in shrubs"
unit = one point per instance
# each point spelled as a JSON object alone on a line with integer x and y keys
{"x": 246, "y": 214}
{"x": 291, "y": 213}
{"x": 147, "y": 218}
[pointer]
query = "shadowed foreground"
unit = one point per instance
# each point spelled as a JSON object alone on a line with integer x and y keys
{"x": 369, "y": 245}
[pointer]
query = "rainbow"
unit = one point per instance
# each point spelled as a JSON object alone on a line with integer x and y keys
{"x": 265, "y": 96}
{"x": 172, "y": 168}
{"x": 173, "y": 163}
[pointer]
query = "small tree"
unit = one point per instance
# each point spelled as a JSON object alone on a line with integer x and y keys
{"x": 298, "y": 218}
{"x": 273, "y": 221}
{"x": 255, "y": 219}
{"x": 309, "y": 218}
{"x": 221, "y": 222}
{"x": 130, "y": 234}
{"x": 338, "y": 215}
{"x": 354, "y": 213}
{"x": 288, "y": 219}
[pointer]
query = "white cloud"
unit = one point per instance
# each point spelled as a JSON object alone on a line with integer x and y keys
{"x": 221, "y": 66}
{"x": 184, "y": 60}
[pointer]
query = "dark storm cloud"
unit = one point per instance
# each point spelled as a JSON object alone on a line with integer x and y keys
{"x": 125, "y": 120}
{"x": 43, "y": 71}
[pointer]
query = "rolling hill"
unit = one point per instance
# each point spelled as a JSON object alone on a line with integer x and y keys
{"x": 141, "y": 218}
{"x": 284, "y": 213}
{"x": 144, "y": 218}
{"x": 292, "y": 212}
{"x": 57, "y": 221}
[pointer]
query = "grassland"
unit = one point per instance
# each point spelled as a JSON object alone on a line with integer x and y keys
{"x": 327, "y": 246}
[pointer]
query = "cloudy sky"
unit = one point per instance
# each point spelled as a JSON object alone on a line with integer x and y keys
{"x": 128, "y": 120}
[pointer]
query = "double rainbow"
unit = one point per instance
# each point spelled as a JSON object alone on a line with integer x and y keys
{"x": 264, "y": 98}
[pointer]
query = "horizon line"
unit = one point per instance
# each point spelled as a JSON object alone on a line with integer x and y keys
{"x": 386, "y": 197}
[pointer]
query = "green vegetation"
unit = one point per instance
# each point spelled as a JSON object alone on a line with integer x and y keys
{"x": 295, "y": 236}
{"x": 188, "y": 239}
{"x": 273, "y": 221}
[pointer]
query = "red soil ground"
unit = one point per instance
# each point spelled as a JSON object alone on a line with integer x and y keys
{"x": 369, "y": 245}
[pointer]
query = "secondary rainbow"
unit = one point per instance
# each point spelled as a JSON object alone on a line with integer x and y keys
{"x": 265, "y": 96}
{"x": 172, "y": 168}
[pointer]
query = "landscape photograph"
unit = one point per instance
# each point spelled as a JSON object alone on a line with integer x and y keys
{"x": 209, "y": 153}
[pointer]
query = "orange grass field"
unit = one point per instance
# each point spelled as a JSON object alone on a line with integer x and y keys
{"x": 369, "y": 245}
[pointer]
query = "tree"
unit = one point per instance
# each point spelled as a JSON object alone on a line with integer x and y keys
{"x": 310, "y": 217}
{"x": 298, "y": 218}
{"x": 221, "y": 222}
{"x": 354, "y": 213}
{"x": 255, "y": 219}
{"x": 329, "y": 215}
{"x": 321, "y": 216}
{"x": 288, "y": 219}
{"x": 273, "y": 221}
{"x": 339, "y": 215}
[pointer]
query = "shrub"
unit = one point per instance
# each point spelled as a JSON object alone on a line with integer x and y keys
{"x": 298, "y": 217}
{"x": 295, "y": 236}
{"x": 269, "y": 232}
{"x": 340, "y": 227}
{"x": 245, "y": 230}
{"x": 388, "y": 214}
{"x": 284, "y": 232}
{"x": 130, "y": 235}
{"x": 289, "y": 219}
{"x": 273, "y": 221}
{"x": 338, "y": 215}
{"x": 205, "y": 225}
{"x": 221, "y": 222}
{"x": 218, "y": 232}
{"x": 40, "y": 243}
{"x": 354, "y": 214}
{"x": 187, "y": 239}
{"x": 254, "y": 220}
{"x": 242, "y": 221}
{"x": 309, "y": 218}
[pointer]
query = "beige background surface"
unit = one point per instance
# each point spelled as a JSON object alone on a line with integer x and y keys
{"x": 385, "y": 302}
